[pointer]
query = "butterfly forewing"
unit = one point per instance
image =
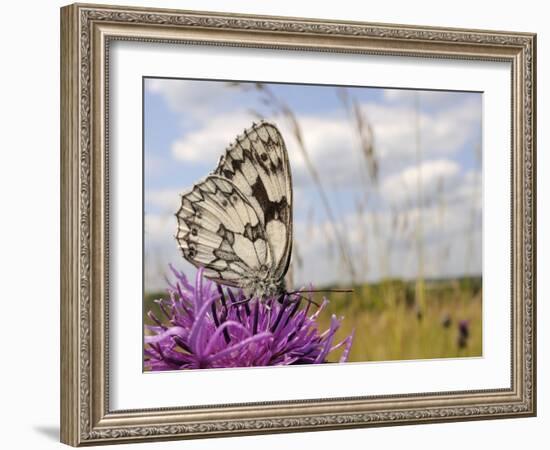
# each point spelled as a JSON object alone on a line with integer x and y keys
{"x": 257, "y": 164}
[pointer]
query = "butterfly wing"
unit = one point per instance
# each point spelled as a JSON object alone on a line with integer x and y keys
{"x": 220, "y": 231}
{"x": 257, "y": 164}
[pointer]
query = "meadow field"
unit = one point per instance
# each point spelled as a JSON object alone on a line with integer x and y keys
{"x": 390, "y": 324}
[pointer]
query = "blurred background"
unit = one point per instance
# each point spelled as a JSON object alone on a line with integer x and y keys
{"x": 387, "y": 201}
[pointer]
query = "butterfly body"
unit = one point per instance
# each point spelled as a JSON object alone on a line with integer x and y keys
{"x": 237, "y": 223}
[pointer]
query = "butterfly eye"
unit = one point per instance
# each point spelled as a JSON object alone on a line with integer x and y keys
{"x": 234, "y": 198}
{"x": 224, "y": 203}
{"x": 264, "y": 156}
{"x": 194, "y": 231}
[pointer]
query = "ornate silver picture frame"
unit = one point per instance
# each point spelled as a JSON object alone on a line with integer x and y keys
{"x": 87, "y": 34}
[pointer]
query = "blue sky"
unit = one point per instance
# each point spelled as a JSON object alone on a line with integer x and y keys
{"x": 426, "y": 145}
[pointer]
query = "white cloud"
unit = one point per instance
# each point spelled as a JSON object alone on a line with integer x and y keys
{"x": 333, "y": 145}
{"x": 161, "y": 250}
{"x": 156, "y": 165}
{"x": 329, "y": 143}
{"x": 450, "y": 230}
{"x": 432, "y": 175}
{"x": 450, "y": 241}
{"x": 441, "y": 133}
{"x": 158, "y": 227}
{"x": 434, "y": 99}
{"x": 197, "y": 98}
{"x": 167, "y": 200}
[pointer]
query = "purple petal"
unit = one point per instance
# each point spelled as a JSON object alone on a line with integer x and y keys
{"x": 219, "y": 331}
{"x": 347, "y": 348}
{"x": 248, "y": 341}
{"x": 195, "y": 336}
{"x": 334, "y": 324}
{"x": 174, "y": 331}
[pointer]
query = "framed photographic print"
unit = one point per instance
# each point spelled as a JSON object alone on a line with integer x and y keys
{"x": 277, "y": 224}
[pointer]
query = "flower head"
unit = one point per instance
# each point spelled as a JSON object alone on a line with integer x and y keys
{"x": 207, "y": 326}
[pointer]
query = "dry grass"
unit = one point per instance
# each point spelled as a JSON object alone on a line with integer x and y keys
{"x": 389, "y": 326}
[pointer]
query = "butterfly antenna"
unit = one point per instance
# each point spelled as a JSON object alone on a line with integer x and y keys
{"x": 312, "y": 291}
{"x": 306, "y": 298}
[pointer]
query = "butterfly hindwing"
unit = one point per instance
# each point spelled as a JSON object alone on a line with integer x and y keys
{"x": 257, "y": 164}
{"x": 219, "y": 230}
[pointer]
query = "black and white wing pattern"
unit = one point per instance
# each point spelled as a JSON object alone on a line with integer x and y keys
{"x": 257, "y": 163}
{"x": 237, "y": 223}
{"x": 219, "y": 230}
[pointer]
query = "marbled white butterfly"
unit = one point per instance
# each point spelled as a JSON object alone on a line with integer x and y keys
{"x": 237, "y": 223}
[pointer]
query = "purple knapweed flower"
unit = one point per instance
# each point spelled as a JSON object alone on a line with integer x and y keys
{"x": 207, "y": 326}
